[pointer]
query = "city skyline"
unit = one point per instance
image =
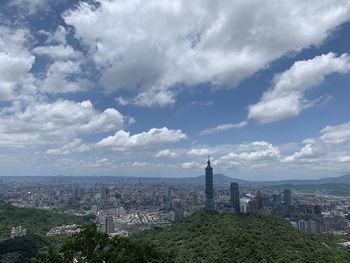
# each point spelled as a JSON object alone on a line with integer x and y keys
{"x": 103, "y": 88}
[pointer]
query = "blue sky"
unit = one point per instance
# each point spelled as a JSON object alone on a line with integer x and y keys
{"x": 151, "y": 88}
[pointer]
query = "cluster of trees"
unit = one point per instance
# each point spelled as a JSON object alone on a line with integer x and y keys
{"x": 36, "y": 221}
{"x": 20, "y": 249}
{"x": 213, "y": 237}
{"x": 202, "y": 237}
{"x": 93, "y": 246}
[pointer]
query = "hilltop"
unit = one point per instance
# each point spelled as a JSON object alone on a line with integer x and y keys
{"x": 205, "y": 237}
{"x": 213, "y": 237}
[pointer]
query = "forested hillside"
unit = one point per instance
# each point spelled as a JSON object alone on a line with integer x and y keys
{"x": 37, "y": 222}
{"x": 213, "y": 237}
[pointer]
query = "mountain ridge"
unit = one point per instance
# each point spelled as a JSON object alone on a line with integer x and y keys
{"x": 218, "y": 179}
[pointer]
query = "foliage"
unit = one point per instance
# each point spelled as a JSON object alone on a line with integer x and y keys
{"x": 20, "y": 249}
{"x": 36, "y": 221}
{"x": 93, "y": 246}
{"x": 213, "y": 237}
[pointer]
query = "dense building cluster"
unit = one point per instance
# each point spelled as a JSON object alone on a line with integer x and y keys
{"x": 127, "y": 205}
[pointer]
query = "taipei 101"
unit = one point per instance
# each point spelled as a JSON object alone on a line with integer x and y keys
{"x": 174, "y": 131}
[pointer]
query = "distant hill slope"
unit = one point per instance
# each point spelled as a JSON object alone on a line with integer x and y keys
{"x": 36, "y": 221}
{"x": 195, "y": 180}
{"x": 212, "y": 237}
{"x": 344, "y": 179}
{"x": 219, "y": 179}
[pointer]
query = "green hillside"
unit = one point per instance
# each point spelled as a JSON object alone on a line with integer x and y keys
{"x": 36, "y": 221}
{"x": 93, "y": 246}
{"x": 213, "y": 237}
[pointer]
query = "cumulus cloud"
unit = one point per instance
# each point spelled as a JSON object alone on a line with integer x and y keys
{"x": 166, "y": 153}
{"x": 59, "y": 37}
{"x": 75, "y": 146}
{"x": 223, "y": 127}
{"x": 64, "y": 77}
{"x": 336, "y": 134}
{"x": 15, "y": 64}
{"x": 122, "y": 140}
{"x": 191, "y": 165}
{"x": 200, "y": 152}
{"x": 65, "y": 73}
{"x": 42, "y": 122}
{"x": 209, "y": 42}
{"x": 252, "y": 155}
{"x": 307, "y": 153}
{"x": 57, "y": 52}
{"x": 286, "y": 97}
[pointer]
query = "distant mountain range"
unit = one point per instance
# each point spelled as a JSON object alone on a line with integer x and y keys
{"x": 344, "y": 179}
{"x": 219, "y": 179}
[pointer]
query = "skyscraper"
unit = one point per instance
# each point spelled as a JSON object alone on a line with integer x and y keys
{"x": 234, "y": 197}
{"x": 109, "y": 224}
{"x": 259, "y": 200}
{"x": 209, "y": 200}
{"x": 287, "y": 196}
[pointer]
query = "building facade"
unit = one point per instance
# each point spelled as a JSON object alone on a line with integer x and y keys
{"x": 209, "y": 192}
{"x": 287, "y": 196}
{"x": 234, "y": 197}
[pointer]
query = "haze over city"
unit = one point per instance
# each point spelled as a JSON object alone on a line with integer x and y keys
{"x": 152, "y": 89}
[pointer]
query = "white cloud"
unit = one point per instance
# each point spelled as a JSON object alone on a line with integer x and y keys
{"x": 344, "y": 158}
{"x": 336, "y": 134}
{"x": 307, "y": 153}
{"x": 57, "y": 122}
{"x": 223, "y": 127}
{"x": 75, "y": 146}
{"x": 64, "y": 77}
{"x": 200, "y": 152}
{"x": 15, "y": 64}
{"x": 191, "y": 165}
{"x": 153, "y": 97}
{"x": 122, "y": 101}
{"x": 122, "y": 140}
{"x": 255, "y": 151}
{"x": 57, "y": 52}
{"x": 166, "y": 153}
{"x": 209, "y": 42}
{"x": 286, "y": 97}
{"x": 58, "y": 37}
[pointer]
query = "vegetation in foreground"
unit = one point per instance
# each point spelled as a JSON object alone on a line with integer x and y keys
{"x": 37, "y": 222}
{"x": 93, "y": 246}
{"x": 203, "y": 237}
{"x": 213, "y": 237}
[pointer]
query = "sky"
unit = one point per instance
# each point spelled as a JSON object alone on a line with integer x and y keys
{"x": 151, "y": 88}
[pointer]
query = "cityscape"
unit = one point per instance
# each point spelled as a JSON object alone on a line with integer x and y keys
{"x": 129, "y": 206}
{"x": 174, "y": 131}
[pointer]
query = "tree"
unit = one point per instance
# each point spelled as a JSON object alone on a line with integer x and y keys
{"x": 93, "y": 246}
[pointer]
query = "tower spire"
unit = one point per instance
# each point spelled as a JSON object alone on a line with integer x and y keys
{"x": 209, "y": 197}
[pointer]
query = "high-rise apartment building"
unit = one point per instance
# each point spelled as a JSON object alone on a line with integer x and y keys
{"x": 234, "y": 197}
